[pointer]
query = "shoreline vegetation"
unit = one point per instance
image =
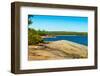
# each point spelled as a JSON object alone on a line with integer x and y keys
{"x": 62, "y": 49}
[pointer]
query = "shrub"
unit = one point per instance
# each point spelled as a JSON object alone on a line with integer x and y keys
{"x": 34, "y": 37}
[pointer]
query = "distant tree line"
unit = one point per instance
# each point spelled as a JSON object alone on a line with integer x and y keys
{"x": 67, "y": 33}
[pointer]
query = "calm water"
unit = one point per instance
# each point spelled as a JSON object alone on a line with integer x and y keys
{"x": 78, "y": 39}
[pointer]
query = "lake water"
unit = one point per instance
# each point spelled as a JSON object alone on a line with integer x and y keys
{"x": 77, "y": 39}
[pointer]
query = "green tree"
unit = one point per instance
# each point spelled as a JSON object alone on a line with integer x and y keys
{"x": 30, "y": 19}
{"x": 34, "y": 37}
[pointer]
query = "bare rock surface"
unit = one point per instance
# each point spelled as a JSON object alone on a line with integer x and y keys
{"x": 61, "y": 49}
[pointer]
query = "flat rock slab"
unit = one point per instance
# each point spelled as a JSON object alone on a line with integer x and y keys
{"x": 61, "y": 49}
{"x": 69, "y": 48}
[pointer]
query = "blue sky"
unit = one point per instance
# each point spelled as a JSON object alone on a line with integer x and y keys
{"x": 59, "y": 23}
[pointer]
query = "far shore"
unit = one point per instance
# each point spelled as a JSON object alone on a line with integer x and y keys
{"x": 60, "y": 35}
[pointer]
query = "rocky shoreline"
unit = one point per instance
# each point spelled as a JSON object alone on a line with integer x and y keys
{"x": 61, "y": 49}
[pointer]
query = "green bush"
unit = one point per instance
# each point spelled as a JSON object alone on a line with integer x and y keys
{"x": 34, "y": 37}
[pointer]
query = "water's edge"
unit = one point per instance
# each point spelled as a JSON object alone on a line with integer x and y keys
{"x": 73, "y": 38}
